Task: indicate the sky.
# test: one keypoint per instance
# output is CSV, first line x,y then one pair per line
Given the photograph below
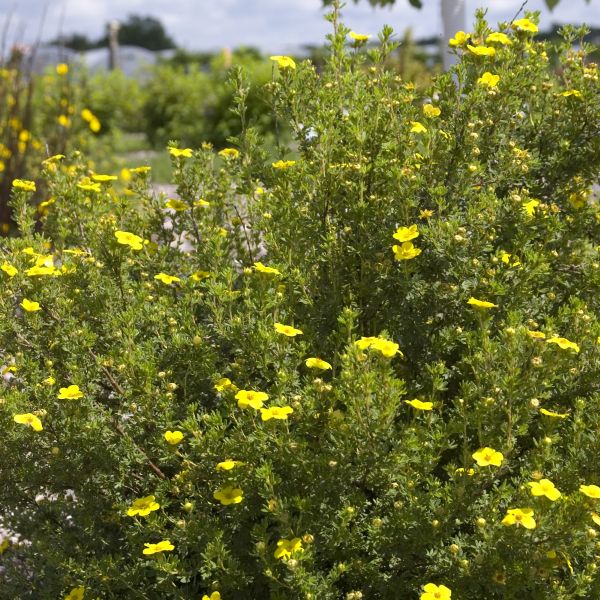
x,y
274,26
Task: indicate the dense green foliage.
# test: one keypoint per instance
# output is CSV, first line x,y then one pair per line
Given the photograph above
x,y
438,250
193,105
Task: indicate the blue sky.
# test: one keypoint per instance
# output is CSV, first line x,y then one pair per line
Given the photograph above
x,y
273,25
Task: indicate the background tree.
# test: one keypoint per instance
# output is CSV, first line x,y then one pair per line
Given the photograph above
x,y
146,32
76,41
143,31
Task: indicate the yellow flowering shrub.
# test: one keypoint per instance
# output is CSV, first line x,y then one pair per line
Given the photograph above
x,y
377,377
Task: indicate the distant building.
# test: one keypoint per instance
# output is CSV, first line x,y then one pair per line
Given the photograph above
x,y
132,60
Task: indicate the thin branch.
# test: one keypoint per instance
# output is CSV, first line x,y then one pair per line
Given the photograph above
x,y
519,11
118,428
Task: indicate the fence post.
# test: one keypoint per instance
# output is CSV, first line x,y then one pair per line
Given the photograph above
x,y
453,20
113,45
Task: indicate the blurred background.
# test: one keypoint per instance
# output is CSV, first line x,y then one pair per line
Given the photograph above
x,y
118,79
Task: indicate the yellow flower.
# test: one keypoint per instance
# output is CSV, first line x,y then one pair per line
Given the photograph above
x,y
95,125
43,206
49,381
431,591
64,121
387,348
536,335
141,170
554,415
429,110
39,271
164,546
28,419
359,37
405,234
166,279
228,464
62,69
173,437
481,303
258,266
425,214
563,343
529,207
509,259
30,305
44,260
596,518
175,204
284,62
591,491
283,164
405,251
177,153
9,269
419,405
520,516
500,38
135,242
229,495
460,39
200,275
317,363
251,398
462,471
285,548
78,592
213,596
488,79
87,114
223,384
229,153
578,200
142,507
525,25
417,127
103,178
287,330
488,456
575,93
276,412
482,50
544,487
70,393
24,184
53,159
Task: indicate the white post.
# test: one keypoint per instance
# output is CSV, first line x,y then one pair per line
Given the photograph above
x,y
453,19
113,45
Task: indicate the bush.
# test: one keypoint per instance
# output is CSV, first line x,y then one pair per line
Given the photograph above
x,y
371,372
193,105
42,115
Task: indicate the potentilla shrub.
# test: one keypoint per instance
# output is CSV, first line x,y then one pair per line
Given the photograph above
x,y
364,368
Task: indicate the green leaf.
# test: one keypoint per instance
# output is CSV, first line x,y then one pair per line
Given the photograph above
x,y
416,3
552,3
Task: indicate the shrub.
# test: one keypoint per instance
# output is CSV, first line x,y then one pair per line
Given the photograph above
x,y
367,378
41,114
193,105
